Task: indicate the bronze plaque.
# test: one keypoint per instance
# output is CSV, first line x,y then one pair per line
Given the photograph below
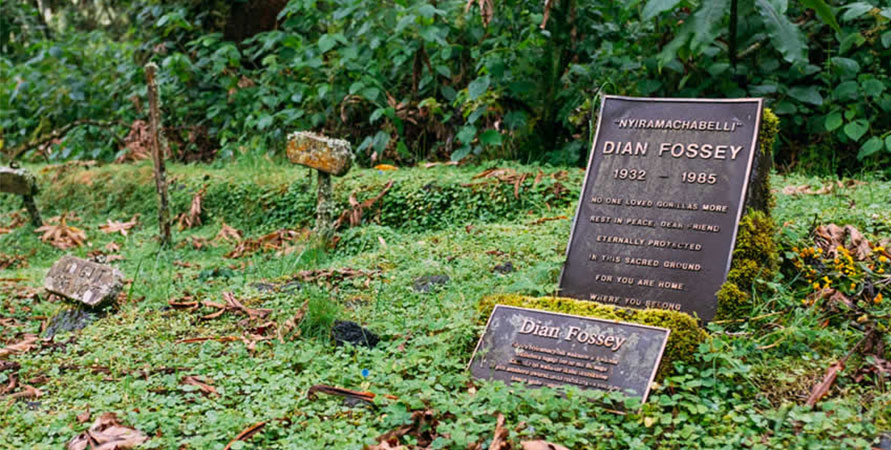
x,y
541,348
661,203
90,283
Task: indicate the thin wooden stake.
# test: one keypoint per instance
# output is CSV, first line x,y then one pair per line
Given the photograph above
x,y
158,153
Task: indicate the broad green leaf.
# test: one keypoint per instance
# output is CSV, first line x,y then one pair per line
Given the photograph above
x,y
460,153
869,147
855,10
845,90
326,42
848,67
872,87
477,87
785,35
708,21
655,7
428,11
888,143
886,39
856,129
824,12
833,121
806,94
490,137
467,134
356,87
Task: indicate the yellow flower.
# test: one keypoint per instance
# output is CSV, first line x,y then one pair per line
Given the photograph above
x,y
882,258
816,286
878,299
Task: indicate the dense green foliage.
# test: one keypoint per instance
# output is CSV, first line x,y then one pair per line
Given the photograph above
x,y
408,81
743,387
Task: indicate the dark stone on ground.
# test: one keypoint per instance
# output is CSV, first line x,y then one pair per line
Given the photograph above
x,y
347,331
263,287
290,287
506,267
884,441
71,319
426,283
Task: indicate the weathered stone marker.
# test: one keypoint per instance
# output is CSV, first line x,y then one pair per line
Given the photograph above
x,y
666,186
329,157
539,348
21,182
87,282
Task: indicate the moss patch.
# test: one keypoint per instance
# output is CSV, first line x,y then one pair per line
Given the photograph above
x,y
682,342
755,253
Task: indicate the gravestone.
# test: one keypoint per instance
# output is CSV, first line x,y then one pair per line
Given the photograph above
x,y
327,156
664,191
18,181
538,348
87,282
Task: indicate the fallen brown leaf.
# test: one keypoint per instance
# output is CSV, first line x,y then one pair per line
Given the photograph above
x,y
541,445
193,217
499,440
118,226
228,233
205,385
107,433
84,417
354,213
57,233
293,324
28,342
246,434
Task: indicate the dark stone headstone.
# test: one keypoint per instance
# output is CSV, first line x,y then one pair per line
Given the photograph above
x,y
346,331
426,283
504,268
661,203
539,348
87,282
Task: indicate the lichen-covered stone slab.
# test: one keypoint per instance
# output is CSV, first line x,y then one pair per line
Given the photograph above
x,y
333,156
90,283
16,181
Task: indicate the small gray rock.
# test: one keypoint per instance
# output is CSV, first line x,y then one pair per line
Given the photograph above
x,y
426,283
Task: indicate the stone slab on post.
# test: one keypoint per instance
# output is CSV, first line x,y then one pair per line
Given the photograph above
x,y
21,182
329,157
89,283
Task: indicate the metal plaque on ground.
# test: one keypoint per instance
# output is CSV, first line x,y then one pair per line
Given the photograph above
x,y
541,348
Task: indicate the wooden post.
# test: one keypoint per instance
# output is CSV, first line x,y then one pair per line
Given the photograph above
x,y
31,206
324,207
158,153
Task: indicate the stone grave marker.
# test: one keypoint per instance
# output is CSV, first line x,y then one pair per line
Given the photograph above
x,y
540,348
92,284
18,181
664,191
329,157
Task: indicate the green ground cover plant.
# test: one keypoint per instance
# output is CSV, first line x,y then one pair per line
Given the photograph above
x,y
745,386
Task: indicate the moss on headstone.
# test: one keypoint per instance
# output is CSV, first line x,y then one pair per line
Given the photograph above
x,y
755,255
683,340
